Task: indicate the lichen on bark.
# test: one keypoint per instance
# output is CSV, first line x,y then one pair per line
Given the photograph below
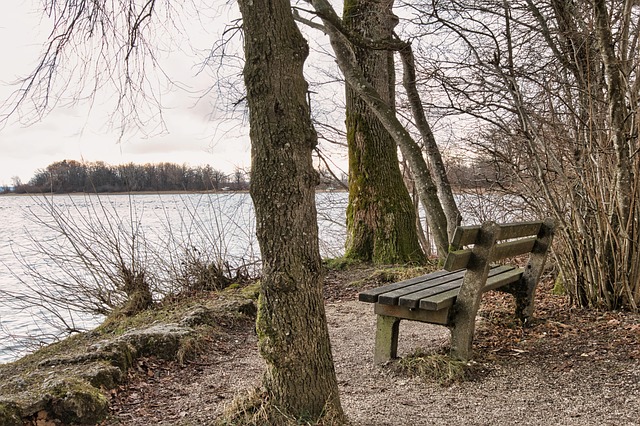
x,y
381,222
300,379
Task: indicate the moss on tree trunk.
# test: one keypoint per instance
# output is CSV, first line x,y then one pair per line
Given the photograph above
x,y
381,222
300,380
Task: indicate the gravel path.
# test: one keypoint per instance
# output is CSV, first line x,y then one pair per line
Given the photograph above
x,y
518,393
540,385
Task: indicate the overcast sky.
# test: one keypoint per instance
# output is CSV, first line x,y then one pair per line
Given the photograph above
x,y
194,134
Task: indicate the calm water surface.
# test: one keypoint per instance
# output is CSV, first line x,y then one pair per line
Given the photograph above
x,y
222,221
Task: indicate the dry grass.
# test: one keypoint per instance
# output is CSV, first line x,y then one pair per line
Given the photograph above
x,y
436,367
254,408
191,347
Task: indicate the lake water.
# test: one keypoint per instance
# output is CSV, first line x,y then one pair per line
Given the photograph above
x,y
35,253
33,250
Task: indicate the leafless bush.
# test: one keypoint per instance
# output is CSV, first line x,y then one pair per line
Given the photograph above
x,y
84,259
331,208
210,244
88,261
552,90
198,275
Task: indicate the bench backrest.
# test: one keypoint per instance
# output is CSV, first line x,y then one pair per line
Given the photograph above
x,y
511,239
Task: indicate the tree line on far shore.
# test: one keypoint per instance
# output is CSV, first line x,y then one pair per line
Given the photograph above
x,y
73,176
69,176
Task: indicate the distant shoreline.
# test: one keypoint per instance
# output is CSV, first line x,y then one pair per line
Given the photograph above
x,y
172,192
37,194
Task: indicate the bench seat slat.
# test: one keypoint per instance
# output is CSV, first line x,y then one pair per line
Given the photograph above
x,y
371,296
448,298
391,298
440,301
503,279
413,300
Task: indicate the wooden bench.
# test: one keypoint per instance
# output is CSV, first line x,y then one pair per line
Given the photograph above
x,y
451,297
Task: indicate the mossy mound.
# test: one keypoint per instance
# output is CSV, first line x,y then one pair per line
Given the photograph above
x,y
76,401
67,381
10,415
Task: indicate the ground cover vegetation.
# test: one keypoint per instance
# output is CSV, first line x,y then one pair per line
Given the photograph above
x,y
559,368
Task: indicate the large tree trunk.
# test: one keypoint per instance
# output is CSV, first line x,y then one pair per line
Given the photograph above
x,y
345,57
380,217
300,379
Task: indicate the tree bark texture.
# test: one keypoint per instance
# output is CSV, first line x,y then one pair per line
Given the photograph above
x,y
346,59
292,329
380,216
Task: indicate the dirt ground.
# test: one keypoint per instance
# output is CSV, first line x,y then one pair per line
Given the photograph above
x,y
571,367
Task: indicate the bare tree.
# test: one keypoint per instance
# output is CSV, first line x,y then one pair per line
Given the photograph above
x,y
343,42
556,85
380,217
291,319
299,382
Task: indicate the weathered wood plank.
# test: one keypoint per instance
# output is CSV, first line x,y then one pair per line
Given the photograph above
x,y
448,298
502,279
527,286
458,259
387,332
468,300
513,248
440,301
413,300
464,235
432,317
391,298
519,230
371,296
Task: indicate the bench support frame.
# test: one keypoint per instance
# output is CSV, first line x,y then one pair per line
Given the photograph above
x,y
463,315
388,326
459,312
524,291
387,331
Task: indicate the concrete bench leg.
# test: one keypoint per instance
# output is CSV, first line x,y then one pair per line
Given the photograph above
x,y
462,340
524,303
526,288
387,330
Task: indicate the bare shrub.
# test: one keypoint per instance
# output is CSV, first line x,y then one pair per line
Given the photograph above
x,y
83,259
553,93
210,244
